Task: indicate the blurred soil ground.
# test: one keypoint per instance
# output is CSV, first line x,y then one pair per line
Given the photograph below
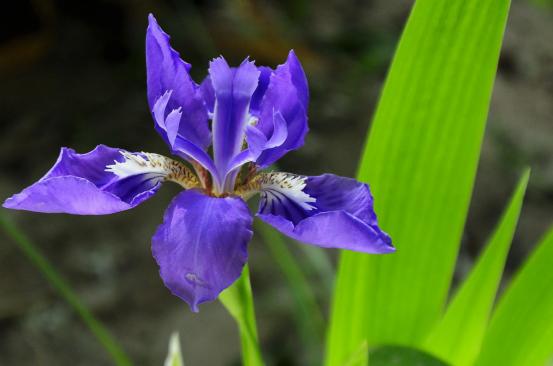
x,y
72,74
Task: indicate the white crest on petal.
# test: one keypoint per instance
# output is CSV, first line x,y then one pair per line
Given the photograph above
x,y
135,164
275,185
154,166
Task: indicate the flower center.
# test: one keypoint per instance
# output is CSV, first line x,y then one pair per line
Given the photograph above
x,y
273,186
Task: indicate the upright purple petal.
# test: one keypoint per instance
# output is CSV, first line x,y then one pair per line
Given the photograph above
x,y
264,78
327,210
258,143
201,246
207,93
298,77
79,184
287,93
179,145
166,71
233,90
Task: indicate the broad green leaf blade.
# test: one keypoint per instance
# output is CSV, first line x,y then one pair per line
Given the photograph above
x,y
238,300
521,329
458,336
420,160
174,356
307,312
38,260
360,357
402,356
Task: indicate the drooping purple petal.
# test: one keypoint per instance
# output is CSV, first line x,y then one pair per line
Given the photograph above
x,y
233,90
166,71
201,246
79,184
326,210
287,93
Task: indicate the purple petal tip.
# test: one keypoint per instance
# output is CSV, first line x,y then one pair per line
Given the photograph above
x,y
151,19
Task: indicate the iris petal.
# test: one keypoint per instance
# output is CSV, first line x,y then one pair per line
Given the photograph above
x,y
201,246
258,143
264,78
79,184
298,77
286,93
166,71
327,210
179,145
233,89
207,93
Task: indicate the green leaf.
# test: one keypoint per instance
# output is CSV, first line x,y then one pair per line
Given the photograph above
x,y
174,356
458,336
402,356
420,160
360,357
38,260
521,329
238,300
308,314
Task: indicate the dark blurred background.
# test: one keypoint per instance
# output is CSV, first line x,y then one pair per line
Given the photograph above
x,y
72,74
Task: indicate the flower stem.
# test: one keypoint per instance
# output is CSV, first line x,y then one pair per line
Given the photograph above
x,y
238,300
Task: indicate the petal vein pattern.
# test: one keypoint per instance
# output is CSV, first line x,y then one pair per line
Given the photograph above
x,y
276,187
233,90
155,167
338,213
79,184
201,246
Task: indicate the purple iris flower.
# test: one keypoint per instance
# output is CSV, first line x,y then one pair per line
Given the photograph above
x,y
250,117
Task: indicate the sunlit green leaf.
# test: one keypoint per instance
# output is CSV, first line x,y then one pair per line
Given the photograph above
x,y
402,356
521,329
420,160
360,357
458,336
